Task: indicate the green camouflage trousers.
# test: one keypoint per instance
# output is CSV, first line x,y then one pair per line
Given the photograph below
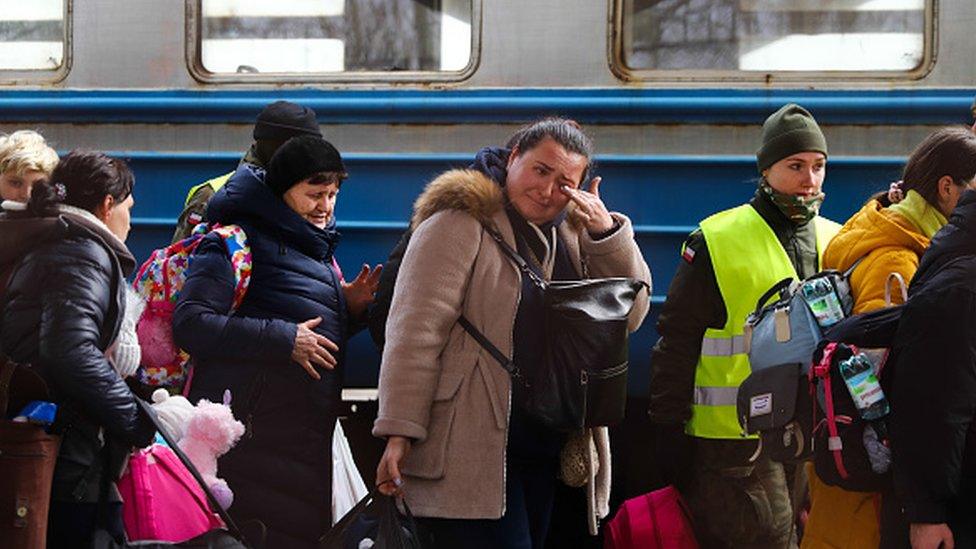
x,y
745,506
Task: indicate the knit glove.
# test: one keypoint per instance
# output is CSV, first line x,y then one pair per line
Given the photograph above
x,y
173,412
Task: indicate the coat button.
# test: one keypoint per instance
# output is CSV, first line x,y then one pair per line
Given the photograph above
x,y
22,511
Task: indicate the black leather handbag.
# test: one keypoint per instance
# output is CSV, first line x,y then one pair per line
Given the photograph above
x,y
582,380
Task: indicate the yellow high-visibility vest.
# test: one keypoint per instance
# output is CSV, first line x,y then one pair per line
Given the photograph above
x,y
748,259
215,184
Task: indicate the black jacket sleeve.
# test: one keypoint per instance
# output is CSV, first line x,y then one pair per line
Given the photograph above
x,y
934,399
379,309
693,305
203,325
68,293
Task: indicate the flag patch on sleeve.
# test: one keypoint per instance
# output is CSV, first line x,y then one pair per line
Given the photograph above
x,y
688,254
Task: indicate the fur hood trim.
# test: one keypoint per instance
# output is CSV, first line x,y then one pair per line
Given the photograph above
x,y
466,190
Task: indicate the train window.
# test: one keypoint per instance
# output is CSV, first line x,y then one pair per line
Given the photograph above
x,y
739,38
32,36
302,40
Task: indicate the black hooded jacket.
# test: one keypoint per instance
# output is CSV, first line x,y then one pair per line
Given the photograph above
x,y
934,380
61,310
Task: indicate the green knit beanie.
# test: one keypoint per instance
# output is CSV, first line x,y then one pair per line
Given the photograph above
x,y
787,131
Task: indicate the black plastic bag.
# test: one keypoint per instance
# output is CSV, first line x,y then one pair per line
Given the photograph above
x,y
375,517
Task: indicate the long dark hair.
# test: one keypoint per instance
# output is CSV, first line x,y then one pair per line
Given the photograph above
x,y
82,179
947,151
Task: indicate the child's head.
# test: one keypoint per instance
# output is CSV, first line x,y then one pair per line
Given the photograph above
x,y
25,159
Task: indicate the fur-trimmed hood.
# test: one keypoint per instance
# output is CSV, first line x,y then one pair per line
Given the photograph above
x,y
466,190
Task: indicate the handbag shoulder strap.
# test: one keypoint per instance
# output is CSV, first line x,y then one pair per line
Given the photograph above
x,y
515,257
506,363
855,265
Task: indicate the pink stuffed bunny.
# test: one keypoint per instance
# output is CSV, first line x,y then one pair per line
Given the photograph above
x,y
211,432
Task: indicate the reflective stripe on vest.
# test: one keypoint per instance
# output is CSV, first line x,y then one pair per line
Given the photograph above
x,y
723,346
748,259
215,184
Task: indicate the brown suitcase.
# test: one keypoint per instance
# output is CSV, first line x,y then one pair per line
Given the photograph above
x,y
27,458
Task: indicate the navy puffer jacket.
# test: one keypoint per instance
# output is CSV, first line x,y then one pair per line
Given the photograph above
x,y
280,471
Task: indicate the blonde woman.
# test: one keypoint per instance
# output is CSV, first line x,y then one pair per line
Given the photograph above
x,y
25,159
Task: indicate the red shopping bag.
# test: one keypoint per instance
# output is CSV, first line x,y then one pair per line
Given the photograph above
x,y
657,520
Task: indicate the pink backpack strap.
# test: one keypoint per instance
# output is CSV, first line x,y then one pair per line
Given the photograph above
x,y
338,270
822,370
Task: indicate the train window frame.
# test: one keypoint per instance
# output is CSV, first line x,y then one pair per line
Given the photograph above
x,y
47,76
615,50
194,62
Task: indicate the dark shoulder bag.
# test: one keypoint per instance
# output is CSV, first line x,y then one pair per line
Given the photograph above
x,y
582,380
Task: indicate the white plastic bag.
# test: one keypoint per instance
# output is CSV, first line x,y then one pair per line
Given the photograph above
x,y
347,484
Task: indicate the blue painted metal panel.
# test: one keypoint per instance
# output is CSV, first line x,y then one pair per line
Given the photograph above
x,y
596,105
665,196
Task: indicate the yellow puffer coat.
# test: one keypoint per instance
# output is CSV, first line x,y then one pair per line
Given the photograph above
x,y
889,243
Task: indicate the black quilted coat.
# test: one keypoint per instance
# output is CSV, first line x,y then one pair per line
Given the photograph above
x,y
61,310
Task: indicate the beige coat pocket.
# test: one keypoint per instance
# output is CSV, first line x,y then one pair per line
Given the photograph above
x,y
427,458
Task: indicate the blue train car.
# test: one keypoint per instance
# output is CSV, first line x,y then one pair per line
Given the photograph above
x,y
673,92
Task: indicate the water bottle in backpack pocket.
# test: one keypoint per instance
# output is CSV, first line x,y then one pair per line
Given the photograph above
x,y
850,438
790,328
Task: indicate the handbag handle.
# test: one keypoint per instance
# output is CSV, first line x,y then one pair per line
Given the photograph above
x,y
340,527
777,288
895,277
214,504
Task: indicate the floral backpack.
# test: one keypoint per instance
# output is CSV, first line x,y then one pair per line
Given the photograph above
x,y
159,282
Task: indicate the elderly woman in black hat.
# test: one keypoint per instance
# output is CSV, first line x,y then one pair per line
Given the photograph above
x,y
281,352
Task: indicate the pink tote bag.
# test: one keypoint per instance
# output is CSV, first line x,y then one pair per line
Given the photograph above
x,y
657,520
161,500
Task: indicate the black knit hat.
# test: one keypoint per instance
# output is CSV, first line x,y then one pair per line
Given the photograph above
x,y
787,131
282,120
300,158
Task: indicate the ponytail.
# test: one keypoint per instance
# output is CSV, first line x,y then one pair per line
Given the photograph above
x,y
82,179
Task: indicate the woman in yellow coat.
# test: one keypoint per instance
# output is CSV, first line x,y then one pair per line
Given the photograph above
x,y
888,238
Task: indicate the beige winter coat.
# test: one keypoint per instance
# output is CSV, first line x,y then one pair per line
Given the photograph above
x,y
437,385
